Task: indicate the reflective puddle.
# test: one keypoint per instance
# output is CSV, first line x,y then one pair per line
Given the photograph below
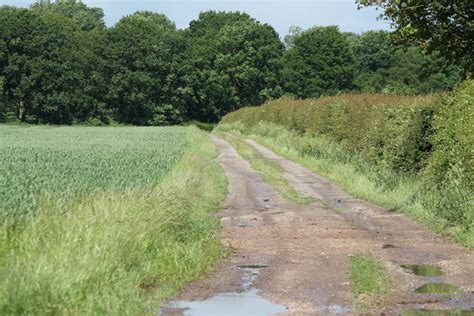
x,y
427,270
232,303
337,309
247,302
437,288
427,312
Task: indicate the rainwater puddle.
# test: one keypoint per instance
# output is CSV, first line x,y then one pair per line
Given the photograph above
x,y
426,270
427,312
337,309
437,288
232,303
247,302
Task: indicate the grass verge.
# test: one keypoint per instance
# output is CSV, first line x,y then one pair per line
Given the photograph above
x,y
116,252
368,276
271,172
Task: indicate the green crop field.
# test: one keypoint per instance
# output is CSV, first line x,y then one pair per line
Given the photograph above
x,y
35,161
106,220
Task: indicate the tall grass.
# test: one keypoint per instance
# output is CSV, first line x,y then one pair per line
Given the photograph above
x,y
413,154
116,251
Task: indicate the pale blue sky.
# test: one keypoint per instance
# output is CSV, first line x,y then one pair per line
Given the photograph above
x,y
281,14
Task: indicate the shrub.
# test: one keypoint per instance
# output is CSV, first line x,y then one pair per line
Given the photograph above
x,y
388,130
449,176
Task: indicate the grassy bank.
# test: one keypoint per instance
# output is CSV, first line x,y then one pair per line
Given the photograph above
x,y
116,250
412,154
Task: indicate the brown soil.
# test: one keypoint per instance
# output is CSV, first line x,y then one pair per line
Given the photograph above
x,y
306,247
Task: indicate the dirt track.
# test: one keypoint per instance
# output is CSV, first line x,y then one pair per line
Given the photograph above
x,y
306,247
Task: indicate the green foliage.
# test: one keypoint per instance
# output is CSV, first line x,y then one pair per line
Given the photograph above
x,y
387,130
51,69
441,25
86,18
293,32
142,49
450,171
368,276
232,61
319,62
117,251
17,31
382,66
208,127
60,65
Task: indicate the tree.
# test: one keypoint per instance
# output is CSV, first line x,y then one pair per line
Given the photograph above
x,y
76,67
293,32
143,47
86,18
50,73
18,30
234,61
380,65
319,63
440,25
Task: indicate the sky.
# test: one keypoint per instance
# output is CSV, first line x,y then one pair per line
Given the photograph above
x,y
281,14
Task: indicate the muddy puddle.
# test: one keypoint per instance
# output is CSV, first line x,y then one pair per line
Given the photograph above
x,y
232,303
432,273
426,270
437,288
427,312
246,302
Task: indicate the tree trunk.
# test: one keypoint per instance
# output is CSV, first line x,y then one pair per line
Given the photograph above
x,y
22,114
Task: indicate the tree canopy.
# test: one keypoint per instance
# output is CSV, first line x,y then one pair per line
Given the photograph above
x,y
319,62
142,49
86,18
233,61
440,25
59,64
382,66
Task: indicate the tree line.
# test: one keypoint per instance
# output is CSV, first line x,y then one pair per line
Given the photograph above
x,y
60,64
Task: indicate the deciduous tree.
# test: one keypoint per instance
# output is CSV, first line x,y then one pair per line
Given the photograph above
x,y
319,63
439,25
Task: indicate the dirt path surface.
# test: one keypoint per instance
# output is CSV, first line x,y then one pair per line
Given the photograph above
x,y
306,247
